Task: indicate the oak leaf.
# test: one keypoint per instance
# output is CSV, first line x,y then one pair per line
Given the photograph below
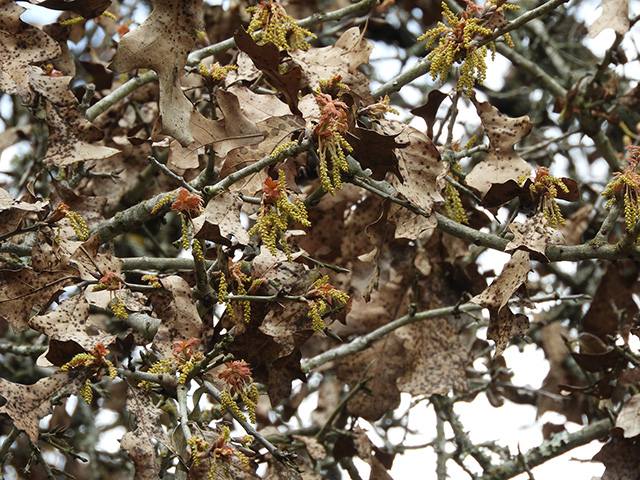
x,y
629,417
231,132
71,138
7,202
21,290
422,171
434,357
267,59
21,45
615,14
345,57
69,330
162,43
28,404
176,307
502,162
221,220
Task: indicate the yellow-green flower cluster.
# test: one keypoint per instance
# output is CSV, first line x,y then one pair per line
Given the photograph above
x,y
321,297
245,304
217,72
228,402
161,366
118,308
86,392
198,447
454,208
78,224
546,187
277,27
316,308
333,148
281,148
185,369
276,212
223,291
455,46
626,185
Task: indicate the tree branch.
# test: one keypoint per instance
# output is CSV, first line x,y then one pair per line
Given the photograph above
x,y
360,343
551,448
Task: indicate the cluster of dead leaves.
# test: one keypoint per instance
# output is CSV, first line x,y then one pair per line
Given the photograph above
x,y
393,261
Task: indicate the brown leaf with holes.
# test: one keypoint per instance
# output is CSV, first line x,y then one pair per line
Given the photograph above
x,y
503,325
429,110
375,151
69,330
436,358
371,454
20,46
270,342
533,235
162,43
502,162
148,424
613,305
277,130
143,453
72,138
382,363
27,404
21,290
231,132
220,221
176,307
421,170
615,14
505,285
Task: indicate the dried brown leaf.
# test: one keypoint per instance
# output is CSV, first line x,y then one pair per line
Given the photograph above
x,y
615,14
267,59
502,162
20,46
505,285
344,58
71,138
162,43
69,324
621,456
422,172
28,404
533,235
382,363
503,325
22,290
7,202
435,360
176,307
221,220
231,132
277,130
613,301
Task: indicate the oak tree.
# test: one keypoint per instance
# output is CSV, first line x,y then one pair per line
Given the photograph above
x,y
232,242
